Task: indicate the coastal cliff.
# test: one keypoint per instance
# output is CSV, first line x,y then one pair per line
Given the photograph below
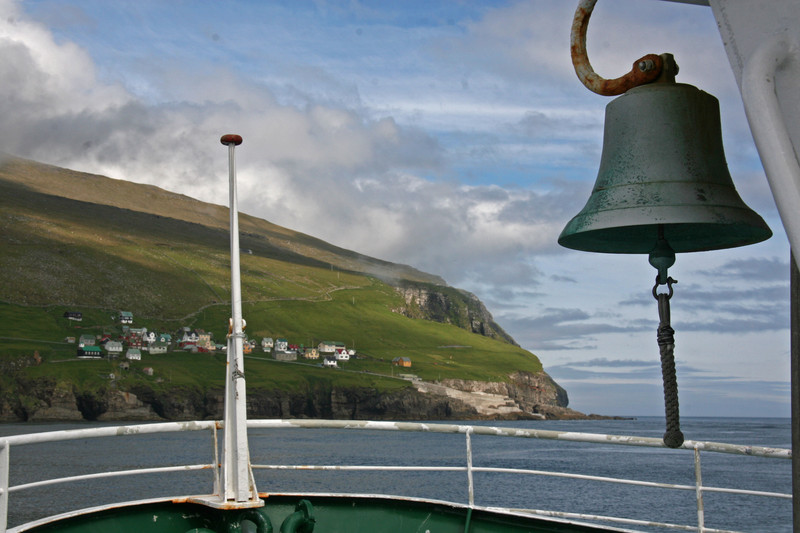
x,y
448,305
525,396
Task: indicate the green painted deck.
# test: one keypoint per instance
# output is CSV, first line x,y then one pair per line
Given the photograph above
x,y
331,514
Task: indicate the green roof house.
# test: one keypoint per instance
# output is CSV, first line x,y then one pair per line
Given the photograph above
x,y
90,352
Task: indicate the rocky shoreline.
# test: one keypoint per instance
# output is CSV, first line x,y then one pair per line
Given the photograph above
x,y
524,397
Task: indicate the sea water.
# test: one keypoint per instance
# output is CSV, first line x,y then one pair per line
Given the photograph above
x,y
366,447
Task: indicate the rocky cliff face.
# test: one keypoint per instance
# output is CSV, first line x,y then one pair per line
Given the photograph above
x,y
444,304
61,402
533,394
526,395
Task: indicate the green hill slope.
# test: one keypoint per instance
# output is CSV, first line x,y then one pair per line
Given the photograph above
x,y
82,242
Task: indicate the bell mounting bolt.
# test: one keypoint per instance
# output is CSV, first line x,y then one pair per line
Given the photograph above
x,y
231,138
645,69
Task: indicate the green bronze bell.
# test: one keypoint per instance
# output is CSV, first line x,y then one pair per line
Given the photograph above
x,y
663,185
663,175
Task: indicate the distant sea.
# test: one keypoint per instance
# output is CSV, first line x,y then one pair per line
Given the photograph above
x,y
308,446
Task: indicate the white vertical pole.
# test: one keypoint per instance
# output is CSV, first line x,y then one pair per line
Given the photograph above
x,y
238,483
471,487
794,369
3,486
698,480
217,465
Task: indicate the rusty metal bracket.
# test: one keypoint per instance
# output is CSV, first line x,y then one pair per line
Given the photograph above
x,y
645,69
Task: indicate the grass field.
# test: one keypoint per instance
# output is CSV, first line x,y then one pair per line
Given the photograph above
x,y
77,242
359,317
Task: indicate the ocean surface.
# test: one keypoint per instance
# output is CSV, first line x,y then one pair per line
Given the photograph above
x,y
365,447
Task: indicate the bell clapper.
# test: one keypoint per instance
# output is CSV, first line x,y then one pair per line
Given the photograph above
x,y
662,257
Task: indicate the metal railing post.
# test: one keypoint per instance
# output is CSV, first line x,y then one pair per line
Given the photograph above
x,y
698,481
217,465
469,469
4,485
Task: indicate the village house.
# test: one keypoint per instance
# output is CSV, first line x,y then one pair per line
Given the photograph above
x,y
282,351
148,370
205,341
311,353
267,343
288,355
89,352
330,362
342,355
196,337
401,361
281,345
158,347
330,347
74,315
125,317
133,354
133,340
86,340
113,347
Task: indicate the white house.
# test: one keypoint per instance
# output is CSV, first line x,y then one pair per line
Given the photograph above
x,y
267,343
342,355
190,337
134,354
281,345
86,340
330,362
330,346
114,347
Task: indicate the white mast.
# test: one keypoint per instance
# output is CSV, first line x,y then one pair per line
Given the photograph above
x,y
238,486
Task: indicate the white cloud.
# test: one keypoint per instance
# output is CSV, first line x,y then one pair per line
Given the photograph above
x,y
460,145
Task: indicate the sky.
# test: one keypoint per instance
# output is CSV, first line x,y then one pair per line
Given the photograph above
x,y
452,136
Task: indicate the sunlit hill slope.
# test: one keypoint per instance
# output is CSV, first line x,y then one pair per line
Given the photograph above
x,y
71,241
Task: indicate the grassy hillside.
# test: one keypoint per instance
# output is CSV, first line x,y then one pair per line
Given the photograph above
x,y
80,242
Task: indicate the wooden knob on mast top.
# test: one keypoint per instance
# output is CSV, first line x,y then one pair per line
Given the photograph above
x,y
231,138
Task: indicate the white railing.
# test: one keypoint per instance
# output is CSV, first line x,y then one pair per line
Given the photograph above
x,y
9,442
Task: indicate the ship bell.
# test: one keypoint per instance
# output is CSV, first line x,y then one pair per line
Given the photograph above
x,y
663,176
